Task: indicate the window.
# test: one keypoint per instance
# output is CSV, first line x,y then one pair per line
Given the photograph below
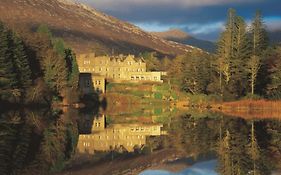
x,y
132,77
87,83
87,61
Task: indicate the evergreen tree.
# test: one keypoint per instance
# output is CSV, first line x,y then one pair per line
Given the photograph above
x,y
254,150
8,79
259,45
59,46
196,75
55,71
258,35
242,54
225,51
73,70
21,63
253,67
43,29
274,88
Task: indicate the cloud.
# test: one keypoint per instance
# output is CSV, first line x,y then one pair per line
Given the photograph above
x,y
201,18
273,23
205,28
117,5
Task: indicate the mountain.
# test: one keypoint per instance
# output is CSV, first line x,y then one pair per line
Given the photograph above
x,y
179,36
85,29
275,37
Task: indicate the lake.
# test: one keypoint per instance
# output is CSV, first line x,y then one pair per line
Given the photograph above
x,y
161,141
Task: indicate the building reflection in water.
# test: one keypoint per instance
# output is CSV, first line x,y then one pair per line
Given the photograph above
x,y
125,136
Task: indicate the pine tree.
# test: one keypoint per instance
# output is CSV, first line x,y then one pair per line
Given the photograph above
x,y
254,150
196,74
226,51
259,45
59,46
241,57
55,71
258,35
21,63
274,88
8,79
73,70
253,67
43,29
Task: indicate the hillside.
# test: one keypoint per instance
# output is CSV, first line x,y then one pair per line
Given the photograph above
x,y
83,28
184,38
275,37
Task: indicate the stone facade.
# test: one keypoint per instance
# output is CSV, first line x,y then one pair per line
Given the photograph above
x,y
118,69
88,83
126,136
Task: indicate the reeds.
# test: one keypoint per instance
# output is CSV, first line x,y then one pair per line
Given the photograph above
x,y
251,108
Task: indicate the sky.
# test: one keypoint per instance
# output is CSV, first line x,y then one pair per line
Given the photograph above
x,y
201,168
203,19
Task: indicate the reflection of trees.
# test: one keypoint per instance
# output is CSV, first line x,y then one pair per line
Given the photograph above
x,y
242,147
35,142
232,148
14,143
194,136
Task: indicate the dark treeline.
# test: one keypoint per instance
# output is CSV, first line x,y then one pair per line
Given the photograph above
x,y
244,65
36,142
36,68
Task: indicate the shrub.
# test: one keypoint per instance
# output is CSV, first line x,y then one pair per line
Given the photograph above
x,y
158,95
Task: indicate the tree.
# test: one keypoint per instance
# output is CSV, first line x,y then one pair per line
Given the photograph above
x,y
73,70
43,29
59,46
21,63
274,88
253,67
242,54
225,51
196,74
258,35
254,150
166,64
152,62
55,73
259,45
8,79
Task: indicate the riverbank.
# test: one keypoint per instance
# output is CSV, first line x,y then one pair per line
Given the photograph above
x,y
123,166
250,108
